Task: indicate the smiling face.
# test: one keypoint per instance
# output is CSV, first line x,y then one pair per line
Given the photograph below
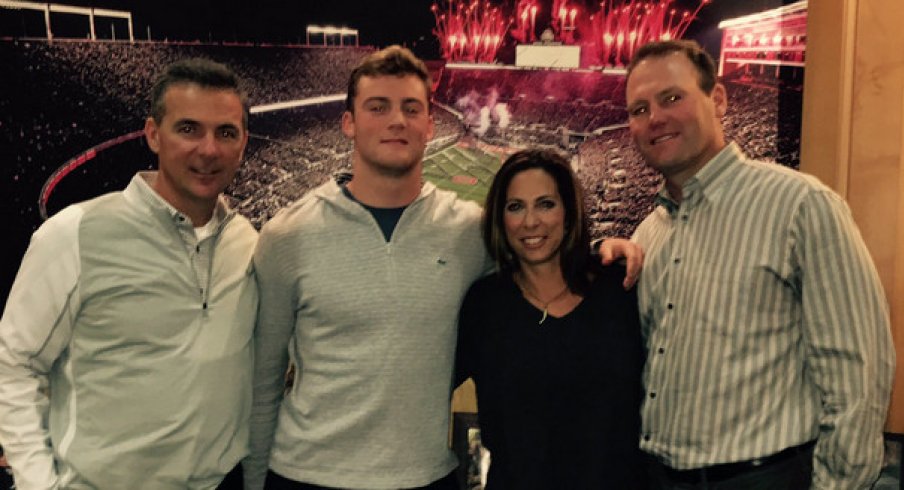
x,y
390,125
199,143
674,123
534,218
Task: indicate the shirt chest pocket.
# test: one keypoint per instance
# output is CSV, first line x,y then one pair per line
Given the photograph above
x,y
754,298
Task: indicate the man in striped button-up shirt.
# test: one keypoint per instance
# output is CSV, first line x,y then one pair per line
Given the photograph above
x,y
770,355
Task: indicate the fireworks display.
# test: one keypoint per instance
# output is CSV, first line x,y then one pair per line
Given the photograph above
x,y
470,31
609,31
563,24
525,21
620,27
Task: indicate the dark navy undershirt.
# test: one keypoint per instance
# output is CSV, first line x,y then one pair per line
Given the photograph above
x,y
387,218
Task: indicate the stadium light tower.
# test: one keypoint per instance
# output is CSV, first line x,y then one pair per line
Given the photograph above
x,y
47,8
330,31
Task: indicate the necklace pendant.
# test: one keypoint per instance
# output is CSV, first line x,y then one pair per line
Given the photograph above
x,y
543,319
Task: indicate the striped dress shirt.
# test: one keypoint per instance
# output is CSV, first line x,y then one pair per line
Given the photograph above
x,y
765,322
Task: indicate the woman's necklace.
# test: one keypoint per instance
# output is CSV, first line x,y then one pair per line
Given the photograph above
x,y
526,290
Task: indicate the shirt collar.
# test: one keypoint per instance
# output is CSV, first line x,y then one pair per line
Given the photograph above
x,y
141,188
332,191
705,184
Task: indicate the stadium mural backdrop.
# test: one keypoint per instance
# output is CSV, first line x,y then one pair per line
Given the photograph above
x,y
506,76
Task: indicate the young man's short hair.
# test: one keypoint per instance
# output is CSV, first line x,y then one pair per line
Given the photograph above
x,y
393,61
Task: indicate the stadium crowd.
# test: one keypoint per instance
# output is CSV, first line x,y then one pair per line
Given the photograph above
x,y
553,108
73,95
763,120
619,187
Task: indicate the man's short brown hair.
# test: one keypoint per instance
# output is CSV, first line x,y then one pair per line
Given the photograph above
x,y
701,60
199,71
393,61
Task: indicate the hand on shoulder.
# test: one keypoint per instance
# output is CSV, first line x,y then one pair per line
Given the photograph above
x,y
626,252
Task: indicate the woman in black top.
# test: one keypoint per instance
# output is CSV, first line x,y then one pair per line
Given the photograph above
x,y
552,340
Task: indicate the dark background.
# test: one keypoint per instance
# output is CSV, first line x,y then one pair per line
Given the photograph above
x,y
379,22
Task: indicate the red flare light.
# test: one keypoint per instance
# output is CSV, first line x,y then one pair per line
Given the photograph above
x,y
470,33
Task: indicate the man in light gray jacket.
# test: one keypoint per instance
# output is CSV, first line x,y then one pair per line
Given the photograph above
x,y
360,288
129,311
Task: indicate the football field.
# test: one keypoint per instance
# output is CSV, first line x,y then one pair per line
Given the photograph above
x,y
466,170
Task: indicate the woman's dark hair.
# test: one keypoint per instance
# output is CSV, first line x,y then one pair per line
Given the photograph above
x,y
574,252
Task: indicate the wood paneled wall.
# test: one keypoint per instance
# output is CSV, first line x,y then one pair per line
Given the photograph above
x,y
853,135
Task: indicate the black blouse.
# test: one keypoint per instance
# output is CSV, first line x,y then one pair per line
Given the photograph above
x,y
559,402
